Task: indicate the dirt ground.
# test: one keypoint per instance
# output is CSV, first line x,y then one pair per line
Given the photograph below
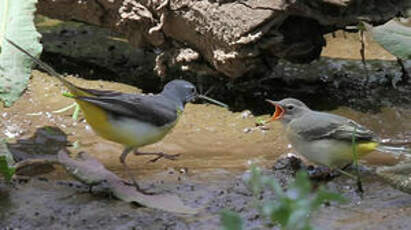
x,y
217,146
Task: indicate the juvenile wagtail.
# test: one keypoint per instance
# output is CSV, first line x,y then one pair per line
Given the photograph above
x,y
325,138
133,120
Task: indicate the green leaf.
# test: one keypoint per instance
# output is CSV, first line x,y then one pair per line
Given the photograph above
x,y
255,182
6,170
274,185
16,24
68,94
260,121
292,208
301,187
6,161
280,212
299,219
394,37
231,220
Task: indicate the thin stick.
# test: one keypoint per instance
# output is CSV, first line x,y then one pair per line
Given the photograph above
x,y
64,109
76,112
355,157
213,101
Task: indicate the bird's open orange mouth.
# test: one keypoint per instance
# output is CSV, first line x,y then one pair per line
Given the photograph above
x,y
279,111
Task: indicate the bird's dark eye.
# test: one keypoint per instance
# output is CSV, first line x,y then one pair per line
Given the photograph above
x,y
193,90
290,107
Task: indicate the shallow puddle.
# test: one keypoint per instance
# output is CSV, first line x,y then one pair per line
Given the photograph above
x,y
208,137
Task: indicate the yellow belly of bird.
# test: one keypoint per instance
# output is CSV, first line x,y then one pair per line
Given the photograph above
x,y
127,131
329,152
365,148
333,153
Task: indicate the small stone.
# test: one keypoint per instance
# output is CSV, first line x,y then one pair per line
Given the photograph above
x,y
183,170
247,130
246,114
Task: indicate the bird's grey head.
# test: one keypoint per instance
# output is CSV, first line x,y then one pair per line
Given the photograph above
x,y
288,109
181,91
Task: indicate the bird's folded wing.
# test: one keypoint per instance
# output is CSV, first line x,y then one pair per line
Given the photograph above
x,y
101,93
333,127
155,110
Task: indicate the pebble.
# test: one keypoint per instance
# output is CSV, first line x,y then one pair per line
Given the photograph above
x,y
246,114
247,130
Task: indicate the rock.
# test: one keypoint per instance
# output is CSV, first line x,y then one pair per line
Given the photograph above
x,y
233,37
398,176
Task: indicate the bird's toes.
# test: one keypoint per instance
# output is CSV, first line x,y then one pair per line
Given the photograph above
x,y
166,156
171,156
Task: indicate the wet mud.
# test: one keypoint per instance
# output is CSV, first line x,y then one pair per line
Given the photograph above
x,y
217,146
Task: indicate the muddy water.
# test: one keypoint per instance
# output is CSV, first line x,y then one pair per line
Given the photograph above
x,y
208,137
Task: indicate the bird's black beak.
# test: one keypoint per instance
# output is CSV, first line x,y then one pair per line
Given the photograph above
x,y
279,110
192,98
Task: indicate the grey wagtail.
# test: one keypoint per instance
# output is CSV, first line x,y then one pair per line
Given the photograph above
x,y
133,120
325,138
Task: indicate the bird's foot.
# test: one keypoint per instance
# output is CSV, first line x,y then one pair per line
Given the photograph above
x,y
166,156
159,156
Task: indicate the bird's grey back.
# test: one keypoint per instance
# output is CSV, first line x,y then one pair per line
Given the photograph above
x,y
154,109
319,125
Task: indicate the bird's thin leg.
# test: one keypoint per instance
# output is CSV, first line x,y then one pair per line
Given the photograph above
x,y
90,188
126,168
356,178
159,155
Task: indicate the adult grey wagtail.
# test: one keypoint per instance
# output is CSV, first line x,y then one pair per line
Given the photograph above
x,y
325,138
133,120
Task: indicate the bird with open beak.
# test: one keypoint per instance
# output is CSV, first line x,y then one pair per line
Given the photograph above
x,y
324,138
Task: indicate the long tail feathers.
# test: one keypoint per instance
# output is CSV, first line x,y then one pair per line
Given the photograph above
x,y
73,89
394,150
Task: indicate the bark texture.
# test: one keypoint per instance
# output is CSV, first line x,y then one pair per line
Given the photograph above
x,y
223,36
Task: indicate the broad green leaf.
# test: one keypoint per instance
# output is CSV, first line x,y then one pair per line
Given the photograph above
x,y
394,37
16,24
6,161
231,220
